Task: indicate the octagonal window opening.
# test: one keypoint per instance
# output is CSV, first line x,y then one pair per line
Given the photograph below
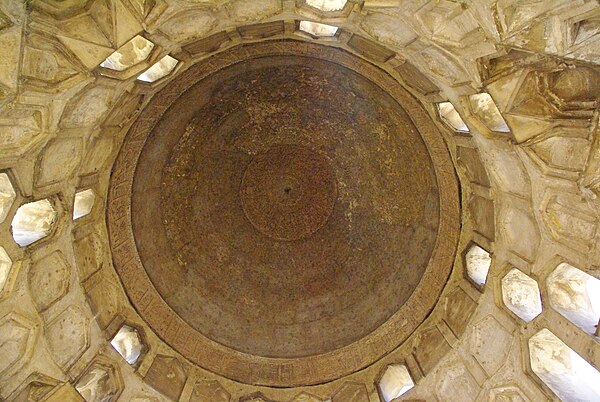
x,y
33,221
576,296
327,5
160,69
521,295
83,204
7,196
131,53
486,110
566,373
478,262
451,118
5,266
128,344
318,29
396,381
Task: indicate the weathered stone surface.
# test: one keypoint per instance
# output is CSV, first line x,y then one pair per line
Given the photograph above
x,y
68,336
351,392
251,10
167,375
429,349
103,298
49,279
388,30
85,110
520,232
89,255
188,24
17,337
490,344
21,127
305,397
458,307
538,61
60,158
456,383
209,390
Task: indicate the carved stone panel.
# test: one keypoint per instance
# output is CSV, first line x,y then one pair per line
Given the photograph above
x,y
167,376
17,336
571,221
49,279
519,231
490,344
429,349
68,336
88,254
209,391
305,397
103,299
59,160
458,308
456,383
351,392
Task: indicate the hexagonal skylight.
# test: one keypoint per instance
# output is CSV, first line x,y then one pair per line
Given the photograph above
x,y
127,343
33,221
575,295
83,204
487,112
566,373
327,5
395,381
160,69
128,55
450,116
521,295
478,263
317,29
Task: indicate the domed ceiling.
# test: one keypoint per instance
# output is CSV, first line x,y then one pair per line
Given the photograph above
x,y
286,206
299,200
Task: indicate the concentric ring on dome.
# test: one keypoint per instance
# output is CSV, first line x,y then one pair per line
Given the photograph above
x,y
288,192
163,301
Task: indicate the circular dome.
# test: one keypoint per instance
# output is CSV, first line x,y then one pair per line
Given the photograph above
x,y
284,214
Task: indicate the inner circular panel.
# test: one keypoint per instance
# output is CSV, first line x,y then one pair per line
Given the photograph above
x,y
285,206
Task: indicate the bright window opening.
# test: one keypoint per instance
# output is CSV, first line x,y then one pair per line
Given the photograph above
x,y
521,295
131,53
327,5
395,381
478,263
7,196
486,110
99,383
128,344
450,116
566,373
317,29
33,221
84,202
160,69
5,266
575,295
